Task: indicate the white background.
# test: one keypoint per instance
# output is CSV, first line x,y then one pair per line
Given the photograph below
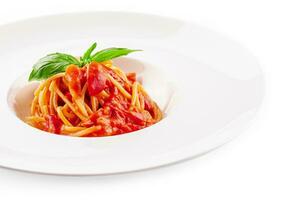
x,y
254,166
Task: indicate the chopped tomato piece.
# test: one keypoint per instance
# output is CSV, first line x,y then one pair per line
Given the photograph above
x,y
132,77
53,124
74,78
97,81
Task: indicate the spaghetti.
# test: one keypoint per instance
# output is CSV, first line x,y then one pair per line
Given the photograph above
x,y
98,99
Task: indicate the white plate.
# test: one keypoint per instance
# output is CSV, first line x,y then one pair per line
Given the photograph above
x,y
209,87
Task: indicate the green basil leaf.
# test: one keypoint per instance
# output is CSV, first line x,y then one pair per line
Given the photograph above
x,y
110,53
57,62
87,55
52,64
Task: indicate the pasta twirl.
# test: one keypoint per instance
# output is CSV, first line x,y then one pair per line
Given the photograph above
x,y
97,99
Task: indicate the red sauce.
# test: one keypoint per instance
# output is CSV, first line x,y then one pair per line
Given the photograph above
x,y
96,78
68,95
53,124
74,78
132,77
115,114
116,118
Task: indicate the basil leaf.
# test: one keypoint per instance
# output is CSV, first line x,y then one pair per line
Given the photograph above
x,y
87,55
57,62
52,64
110,53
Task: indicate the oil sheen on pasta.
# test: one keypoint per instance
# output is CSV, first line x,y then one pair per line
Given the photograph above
x,y
96,100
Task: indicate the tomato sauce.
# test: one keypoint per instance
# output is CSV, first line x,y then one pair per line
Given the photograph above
x,y
74,78
115,114
53,124
96,79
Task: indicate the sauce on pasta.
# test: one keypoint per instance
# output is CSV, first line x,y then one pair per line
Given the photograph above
x,y
98,99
